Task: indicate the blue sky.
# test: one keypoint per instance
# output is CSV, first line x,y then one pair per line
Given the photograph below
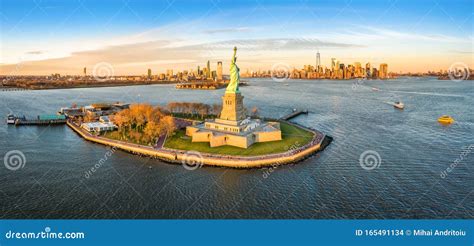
x,y
41,34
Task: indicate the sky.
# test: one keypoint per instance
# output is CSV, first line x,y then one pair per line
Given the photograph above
x,y
40,37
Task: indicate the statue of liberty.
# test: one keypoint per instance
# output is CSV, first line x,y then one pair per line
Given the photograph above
x,y
233,86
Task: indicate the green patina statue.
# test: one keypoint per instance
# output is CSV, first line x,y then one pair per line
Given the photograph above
x,y
233,86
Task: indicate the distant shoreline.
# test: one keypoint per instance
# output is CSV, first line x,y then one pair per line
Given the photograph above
x,y
83,85
96,84
52,86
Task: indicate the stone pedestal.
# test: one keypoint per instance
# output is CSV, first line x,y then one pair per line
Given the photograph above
x,y
233,107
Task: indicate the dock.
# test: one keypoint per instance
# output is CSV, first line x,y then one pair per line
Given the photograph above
x,y
205,85
20,122
41,120
200,86
294,114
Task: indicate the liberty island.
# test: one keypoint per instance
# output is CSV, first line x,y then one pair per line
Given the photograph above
x,y
231,140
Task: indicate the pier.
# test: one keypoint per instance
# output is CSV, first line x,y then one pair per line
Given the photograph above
x,y
200,86
12,89
294,114
205,85
19,122
41,120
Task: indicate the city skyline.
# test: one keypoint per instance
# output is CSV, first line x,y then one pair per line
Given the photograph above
x,y
133,37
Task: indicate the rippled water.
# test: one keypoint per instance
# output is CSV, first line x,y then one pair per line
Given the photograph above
x,y
413,148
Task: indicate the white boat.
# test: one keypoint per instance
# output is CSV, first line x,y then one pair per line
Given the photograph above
x,y
375,89
399,105
11,119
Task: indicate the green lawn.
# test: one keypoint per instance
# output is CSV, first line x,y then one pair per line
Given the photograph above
x,y
293,137
116,135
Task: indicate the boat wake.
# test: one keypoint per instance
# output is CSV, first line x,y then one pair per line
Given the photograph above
x,y
427,93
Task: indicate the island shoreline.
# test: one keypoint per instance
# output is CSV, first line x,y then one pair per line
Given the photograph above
x,y
175,156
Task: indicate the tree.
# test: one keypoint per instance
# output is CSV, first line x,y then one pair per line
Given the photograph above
x,y
123,120
254,112
135,136
216,109
203,109
151,132
89,118
167,125
155,114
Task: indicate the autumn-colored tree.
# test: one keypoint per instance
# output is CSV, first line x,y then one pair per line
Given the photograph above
x,y
168,125
123,119
254,111
88,118
151,132
135,136
156,114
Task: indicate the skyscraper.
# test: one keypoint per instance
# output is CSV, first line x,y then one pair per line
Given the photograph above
x,y
357,69
209,69
367,70
318,60
149,74
85,71
219,71
383,71
334,66
375,73
341,71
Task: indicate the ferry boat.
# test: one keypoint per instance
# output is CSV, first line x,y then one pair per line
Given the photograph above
x,y
375,89
399,105
11,119
445,119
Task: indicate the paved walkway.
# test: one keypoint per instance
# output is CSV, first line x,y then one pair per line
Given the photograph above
x,y
160,141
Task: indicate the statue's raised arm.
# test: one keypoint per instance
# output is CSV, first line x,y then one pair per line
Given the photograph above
x,y
233,57
233,86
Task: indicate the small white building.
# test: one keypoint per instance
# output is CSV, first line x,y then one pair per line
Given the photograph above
x,y
98,127
104,119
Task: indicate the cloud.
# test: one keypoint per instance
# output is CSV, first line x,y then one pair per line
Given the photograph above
x,y
228,30
462,52
36,52
382,33
279,44
135,57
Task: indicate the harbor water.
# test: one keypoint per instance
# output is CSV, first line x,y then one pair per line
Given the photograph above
x,y
383,162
